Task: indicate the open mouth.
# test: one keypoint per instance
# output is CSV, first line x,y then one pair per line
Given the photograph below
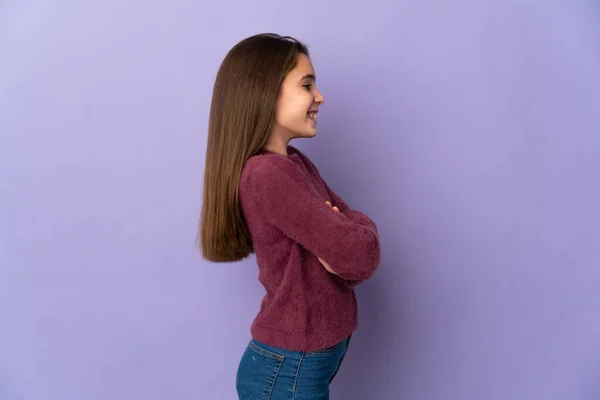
x,y
312,115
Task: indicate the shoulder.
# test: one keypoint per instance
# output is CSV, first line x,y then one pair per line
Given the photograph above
x,y
306,161
293,150
267,167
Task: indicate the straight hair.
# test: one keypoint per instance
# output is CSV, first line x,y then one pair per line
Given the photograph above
x,y
242,115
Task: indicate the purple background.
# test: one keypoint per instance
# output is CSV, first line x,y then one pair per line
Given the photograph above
x,y
468,130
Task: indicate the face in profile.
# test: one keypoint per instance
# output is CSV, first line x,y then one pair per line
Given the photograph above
x,y
298,103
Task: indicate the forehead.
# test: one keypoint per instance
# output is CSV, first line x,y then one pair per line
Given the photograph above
x,y
303,67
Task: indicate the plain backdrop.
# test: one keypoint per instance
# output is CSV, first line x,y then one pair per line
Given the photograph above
x,y
468,130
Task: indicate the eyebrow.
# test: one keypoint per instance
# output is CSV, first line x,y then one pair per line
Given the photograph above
x,y
309,76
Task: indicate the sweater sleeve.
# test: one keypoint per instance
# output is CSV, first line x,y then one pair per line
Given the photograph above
x,y
355,216
337,200
284,197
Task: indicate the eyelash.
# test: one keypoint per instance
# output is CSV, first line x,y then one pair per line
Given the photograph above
x,y
307,86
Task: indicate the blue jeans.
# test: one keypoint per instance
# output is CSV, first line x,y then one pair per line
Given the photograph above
x,y
269,373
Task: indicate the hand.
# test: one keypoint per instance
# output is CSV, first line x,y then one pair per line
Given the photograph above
x,y
325,265
334,208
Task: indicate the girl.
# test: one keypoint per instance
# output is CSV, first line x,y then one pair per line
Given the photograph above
x,y
263,196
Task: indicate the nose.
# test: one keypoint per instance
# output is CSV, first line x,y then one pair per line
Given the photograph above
x,y
319,99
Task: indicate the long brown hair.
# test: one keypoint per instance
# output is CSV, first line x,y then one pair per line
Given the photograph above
x,y
241,118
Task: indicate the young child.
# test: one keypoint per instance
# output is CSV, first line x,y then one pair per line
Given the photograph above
x,y
263,196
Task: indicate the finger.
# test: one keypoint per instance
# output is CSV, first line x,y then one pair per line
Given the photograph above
x,y
336,209
328,203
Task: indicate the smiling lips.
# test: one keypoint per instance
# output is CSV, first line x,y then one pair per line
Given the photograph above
x,y
312,115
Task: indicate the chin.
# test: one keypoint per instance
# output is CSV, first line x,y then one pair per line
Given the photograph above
x,y
312,131
305,135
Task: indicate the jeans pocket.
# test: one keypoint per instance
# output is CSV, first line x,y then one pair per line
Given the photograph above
x,y
256,347
257,373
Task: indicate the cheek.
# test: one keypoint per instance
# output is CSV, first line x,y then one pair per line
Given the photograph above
x,y
292,108
282,112
292,112
304,104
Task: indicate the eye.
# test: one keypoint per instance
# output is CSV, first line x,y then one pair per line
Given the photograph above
x,y
308,86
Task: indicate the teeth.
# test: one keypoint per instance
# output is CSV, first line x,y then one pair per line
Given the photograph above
x,y
312,115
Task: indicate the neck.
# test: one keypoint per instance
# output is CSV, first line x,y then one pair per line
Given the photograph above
x,y
277,145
